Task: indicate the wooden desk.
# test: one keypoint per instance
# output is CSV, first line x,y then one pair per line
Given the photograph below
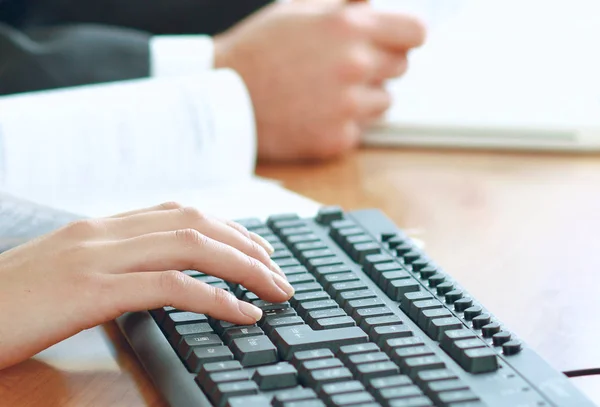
x,y
520,231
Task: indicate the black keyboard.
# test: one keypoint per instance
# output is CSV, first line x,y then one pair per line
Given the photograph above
x,y
373,322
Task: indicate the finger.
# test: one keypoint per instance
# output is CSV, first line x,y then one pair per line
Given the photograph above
x,y
387,65
184,218
370,102
143,291
189,250
161,207
396,31
251,235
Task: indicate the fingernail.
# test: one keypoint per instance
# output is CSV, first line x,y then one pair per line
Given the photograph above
x,y
283,285
250,310
263,242
277,269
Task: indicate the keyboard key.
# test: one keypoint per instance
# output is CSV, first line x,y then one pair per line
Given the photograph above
x,y
300,357
281,254
351,399
304,308
453,296
472,312
397,288
336,289
372,322
181,318
447,398
345,352
368,371
380,334
270,325
327,270
418,307
428,315
277,376
300,247
326,313
201,355
224,391
191,341
302,337
362,314
481,320
213,379
217,367
479,360
512,347
314,264
254,351
307,287
257,400
330,279
451,336
221,326
287,262
294,395
501,338
436,280
439,325
306,238
347,296
305,403
305,369
427,272
301,278
402,392
388,276
270,306
361,250
328,214
189,329
318,378
444,288
310,296
412,366
433,388
313,254
249,297
240,332
489,330
398,343
391,381
329,390
463,304
370,357
276,314
290,271
331,323
352,306
421,401
427,376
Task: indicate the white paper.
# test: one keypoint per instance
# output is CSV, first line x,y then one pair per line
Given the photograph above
x,y
510,63
111,138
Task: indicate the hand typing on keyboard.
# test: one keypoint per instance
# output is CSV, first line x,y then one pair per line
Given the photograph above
x,y
92,271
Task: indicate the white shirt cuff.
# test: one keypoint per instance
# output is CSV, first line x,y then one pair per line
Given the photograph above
x,y
175,55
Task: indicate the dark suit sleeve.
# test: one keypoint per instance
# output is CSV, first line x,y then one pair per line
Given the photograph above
x,y
153,16
54,57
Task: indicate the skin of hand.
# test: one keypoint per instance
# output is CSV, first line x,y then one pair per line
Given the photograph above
x,y
92,271
315,72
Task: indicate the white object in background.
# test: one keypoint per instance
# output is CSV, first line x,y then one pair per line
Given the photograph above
x,y
149,133
514,74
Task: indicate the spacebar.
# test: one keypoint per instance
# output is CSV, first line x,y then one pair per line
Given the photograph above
x,y
292,339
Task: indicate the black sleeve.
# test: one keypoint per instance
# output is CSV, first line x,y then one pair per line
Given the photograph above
x,y
154,16
62,56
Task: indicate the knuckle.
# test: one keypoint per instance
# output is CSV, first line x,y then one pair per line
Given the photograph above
x,y
344,21
238,227
86,228
351,106
259,252
191,237
355,67
173,282
220,298
192,214
170,205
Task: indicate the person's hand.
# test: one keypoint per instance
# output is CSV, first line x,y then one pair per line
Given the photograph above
x,y
315,72
92,271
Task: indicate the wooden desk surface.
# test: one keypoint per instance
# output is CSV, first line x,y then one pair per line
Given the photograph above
x,y
519,231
